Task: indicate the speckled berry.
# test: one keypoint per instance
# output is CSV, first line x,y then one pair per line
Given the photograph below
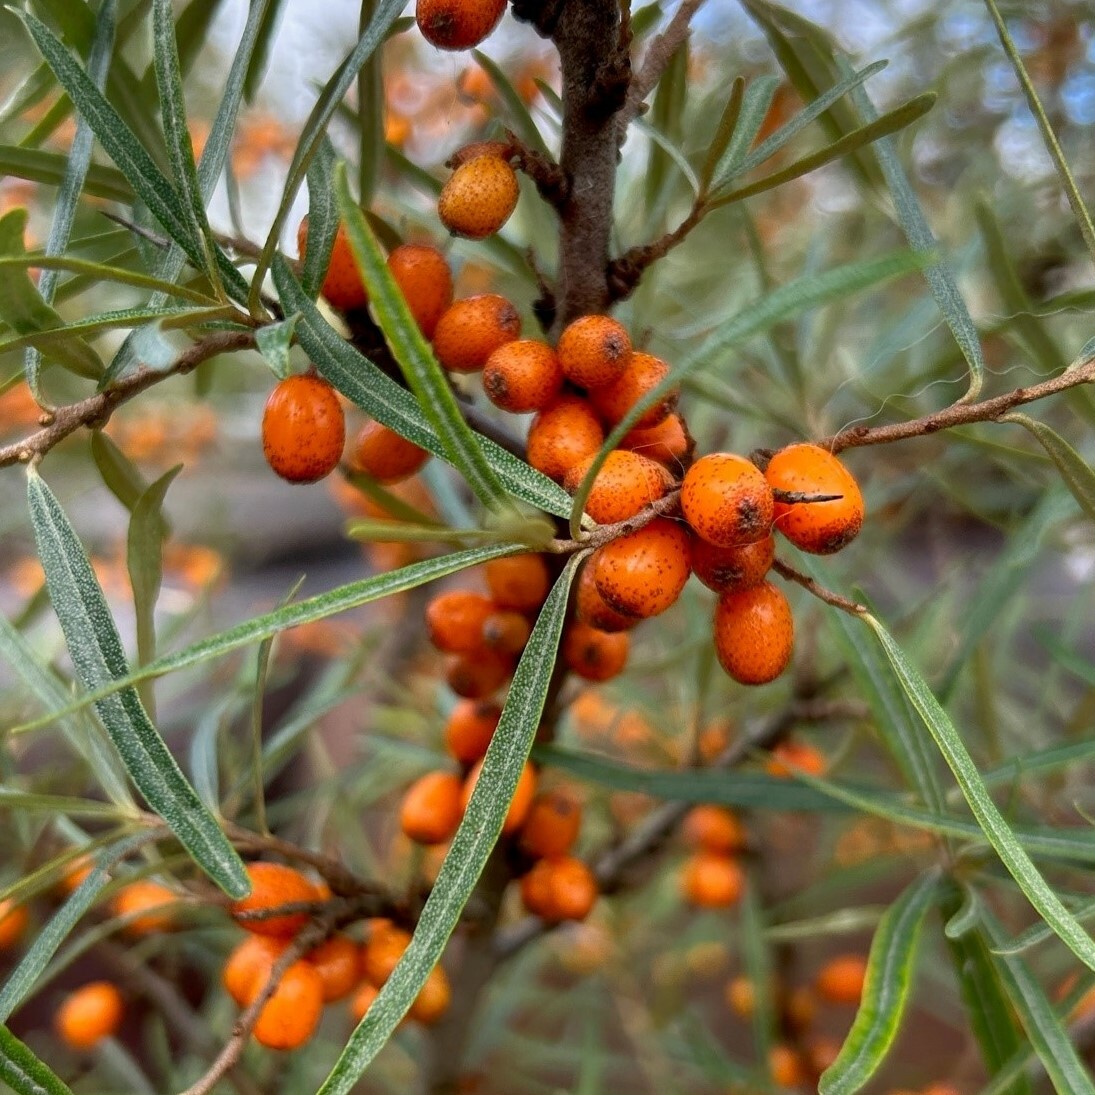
x,y
342,285
425,280
522,376
457,24
591,608
595,655
594,351
642,374
726,500
472,329
303,429
669,442
386,455
563,434
625,484
738,567
478,198
754,633
643,573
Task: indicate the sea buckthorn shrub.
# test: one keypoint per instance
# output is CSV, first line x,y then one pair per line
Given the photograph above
x,y
607,606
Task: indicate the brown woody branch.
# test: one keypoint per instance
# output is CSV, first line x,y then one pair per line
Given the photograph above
x,y
626,271
95,411
818,590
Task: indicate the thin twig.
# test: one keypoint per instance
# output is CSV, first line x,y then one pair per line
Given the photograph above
x,y
818,590
96,410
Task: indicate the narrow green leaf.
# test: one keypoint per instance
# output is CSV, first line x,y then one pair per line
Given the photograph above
x,y
322,218
383,399
98,272
813,110
64,209
120,474
1047,1034
371,109
888,123
22,307
728,120
49,939
1078,476
890,969
274,342
423,374
119,141
996,829
519,117
315,128
757,957
472,844
97,654
1045,127
666,119
21,1070
50,168
303,612
267,29
756,103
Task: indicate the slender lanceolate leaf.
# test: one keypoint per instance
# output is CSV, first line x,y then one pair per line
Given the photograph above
x,y
274,342
890,969
472,844
757,956
1077,474
23,1072
302,612
315,129
1045,1030
97,654
728,121
383,399
64,210
131,157
46,943
96,272
50,169
754,107
423,374
322,218
997,831
267,28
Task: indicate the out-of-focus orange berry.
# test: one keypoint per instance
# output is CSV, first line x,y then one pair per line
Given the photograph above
x,y
741,996
303,429
272,886
789,755
727,500
643,573
469,729
383,951
506,631
714,829
248,967
362,1000
754,633
518,582
433,998
338,963
595,655
840,980
479,673
786,1066
431,808
711,880
425,280
13,923
454,620
148,903
552,825
818,527
560,888
386,455
290,1017
594,351
472,329
90,1014
342,284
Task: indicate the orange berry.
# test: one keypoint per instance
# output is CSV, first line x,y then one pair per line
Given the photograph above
x,y
800,1007
362,1000
433,998
817,527
552,825
840,980
711,880
478,198
643,372
519,805
289,1018
518,582
425,280
479,674
642,574
506,632
383,951
342,284
713,829
147,902
668,442
560,888
754,633
13,923
786,1066
303,429
625,484
563,434
591,608
727,500
385,455
338,963
248,966
457,24
469,729
737,567
820,1053
431,809
454,620
472,329
741,997
75,873
940,1089
594,351
522,376
274,885
789,755
88,1015
595,655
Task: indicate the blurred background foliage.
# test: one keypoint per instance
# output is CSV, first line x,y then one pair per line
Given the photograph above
x,y
972,551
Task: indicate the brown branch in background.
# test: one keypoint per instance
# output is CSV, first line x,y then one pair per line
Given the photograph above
x,y
960,414
626,271
95,411
818,590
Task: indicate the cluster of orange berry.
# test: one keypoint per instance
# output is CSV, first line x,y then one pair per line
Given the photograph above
x,y
483,633
335,969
